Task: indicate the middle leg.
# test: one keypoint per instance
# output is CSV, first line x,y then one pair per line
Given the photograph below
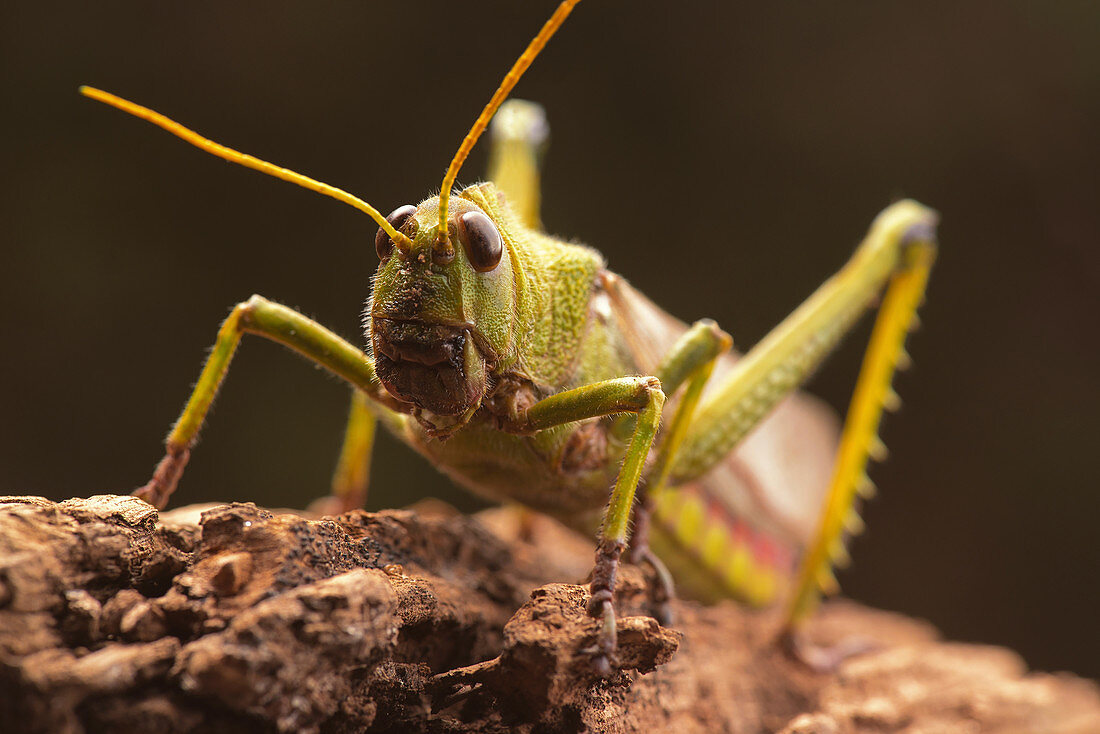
x,y
691,360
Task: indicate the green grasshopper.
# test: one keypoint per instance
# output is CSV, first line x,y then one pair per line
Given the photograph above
x,y
525,370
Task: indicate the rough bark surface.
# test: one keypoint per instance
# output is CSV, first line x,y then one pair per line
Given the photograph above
x,y
234,618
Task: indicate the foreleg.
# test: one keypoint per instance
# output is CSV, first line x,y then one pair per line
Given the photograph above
x,y
259,316
640,395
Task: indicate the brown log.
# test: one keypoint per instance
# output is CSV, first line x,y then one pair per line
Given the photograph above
x,y
235,618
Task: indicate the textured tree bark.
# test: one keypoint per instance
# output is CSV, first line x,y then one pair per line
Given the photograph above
x,y
240,619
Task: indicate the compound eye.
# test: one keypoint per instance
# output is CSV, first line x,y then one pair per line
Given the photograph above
x,y
481,240
398,218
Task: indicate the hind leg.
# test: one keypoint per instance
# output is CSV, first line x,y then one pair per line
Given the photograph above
x,y
896,257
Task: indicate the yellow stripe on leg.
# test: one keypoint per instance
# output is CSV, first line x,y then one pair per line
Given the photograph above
x,y
352,476
859,441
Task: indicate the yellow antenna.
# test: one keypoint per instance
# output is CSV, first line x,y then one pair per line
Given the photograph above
x,y
498,98
245,160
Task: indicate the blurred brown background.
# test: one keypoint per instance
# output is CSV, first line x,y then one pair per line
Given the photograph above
x,y
787,124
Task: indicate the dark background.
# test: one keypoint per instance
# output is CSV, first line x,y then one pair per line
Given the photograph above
x,y
726,157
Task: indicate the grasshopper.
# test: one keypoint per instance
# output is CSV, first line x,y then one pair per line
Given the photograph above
x,y
524,369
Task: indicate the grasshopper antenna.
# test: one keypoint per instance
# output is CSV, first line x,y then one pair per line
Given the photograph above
x,y
245,160
442,244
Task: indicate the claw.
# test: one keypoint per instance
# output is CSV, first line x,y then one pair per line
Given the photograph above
x,y
663,589
823,658
165,478
327,505
603,652
600,602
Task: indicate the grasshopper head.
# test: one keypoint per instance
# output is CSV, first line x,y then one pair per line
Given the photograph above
x,y
440,316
